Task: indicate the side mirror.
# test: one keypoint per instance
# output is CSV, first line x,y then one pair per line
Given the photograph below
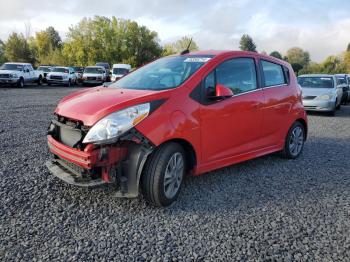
x,y
110,72
27,70
221,92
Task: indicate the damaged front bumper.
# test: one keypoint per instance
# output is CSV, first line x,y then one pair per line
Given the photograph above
x,y
120,163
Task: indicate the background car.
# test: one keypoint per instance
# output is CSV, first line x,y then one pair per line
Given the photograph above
x,y
62,75
94,75
79,70
19,74
107,68
343,82
321,92
45,69
119,70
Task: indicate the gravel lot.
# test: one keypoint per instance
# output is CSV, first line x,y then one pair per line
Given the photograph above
x,y
264,209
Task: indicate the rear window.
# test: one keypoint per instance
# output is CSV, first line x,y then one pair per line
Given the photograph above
x,y
273,74
315,82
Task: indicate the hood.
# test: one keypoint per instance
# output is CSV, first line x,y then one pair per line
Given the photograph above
x,y
58,73
90,105
317,91
10,72
92,74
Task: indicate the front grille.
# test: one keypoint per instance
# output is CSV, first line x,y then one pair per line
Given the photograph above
x,y
56,77
4,75
309,97
69,133
91,78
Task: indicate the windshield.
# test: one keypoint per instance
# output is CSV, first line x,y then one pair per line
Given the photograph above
x,y
60,70
316,82
341,80
93,70
44,69
14,67
162,74
120,71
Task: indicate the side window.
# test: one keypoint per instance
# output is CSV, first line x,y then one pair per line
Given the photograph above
x,y
238,74
273,74
286,74
30,68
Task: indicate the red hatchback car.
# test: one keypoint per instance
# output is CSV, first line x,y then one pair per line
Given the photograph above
x,y
183,114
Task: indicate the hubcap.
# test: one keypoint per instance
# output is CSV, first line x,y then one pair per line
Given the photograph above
x,y
173,175
296,141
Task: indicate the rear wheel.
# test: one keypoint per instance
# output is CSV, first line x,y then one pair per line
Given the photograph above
x,y
40,81
163,174
294,141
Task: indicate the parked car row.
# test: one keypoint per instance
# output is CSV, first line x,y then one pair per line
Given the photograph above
x,y
324,92
20,74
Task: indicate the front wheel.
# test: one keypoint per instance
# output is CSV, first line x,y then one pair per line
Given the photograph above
x,y
20,83
39,81
163,174
294,143
69,83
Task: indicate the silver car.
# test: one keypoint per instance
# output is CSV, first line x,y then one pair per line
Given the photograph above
x,y
344,81
321,92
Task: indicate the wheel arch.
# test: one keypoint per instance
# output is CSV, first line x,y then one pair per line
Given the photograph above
x,y
190,152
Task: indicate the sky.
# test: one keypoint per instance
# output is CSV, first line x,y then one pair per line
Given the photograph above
x,y
318,26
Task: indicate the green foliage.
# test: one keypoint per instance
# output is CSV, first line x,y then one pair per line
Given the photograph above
x,y
298,58
333,65
18,49
2,52
247,44
179,46
276,54
110,40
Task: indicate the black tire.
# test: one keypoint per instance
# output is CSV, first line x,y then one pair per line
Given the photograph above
x,y
338,107
69,83
49,84
332,113
20,83
153,175
39,81
287,152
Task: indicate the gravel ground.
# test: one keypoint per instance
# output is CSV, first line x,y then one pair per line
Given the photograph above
x,y
264,209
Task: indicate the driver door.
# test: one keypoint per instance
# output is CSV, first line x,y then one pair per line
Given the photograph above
x,y
232,126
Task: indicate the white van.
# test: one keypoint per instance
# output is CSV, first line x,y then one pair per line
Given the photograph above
x,y
119,70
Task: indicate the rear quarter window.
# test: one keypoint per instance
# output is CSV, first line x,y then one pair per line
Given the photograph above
x,y
274,74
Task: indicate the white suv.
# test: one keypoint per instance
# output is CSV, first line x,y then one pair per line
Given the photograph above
x,y
19,74
61,76
94,75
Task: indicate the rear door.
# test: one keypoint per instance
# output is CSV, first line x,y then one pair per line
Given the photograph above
x,y
231,126
278,101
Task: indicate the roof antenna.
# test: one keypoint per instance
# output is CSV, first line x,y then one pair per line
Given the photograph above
x,y
187,50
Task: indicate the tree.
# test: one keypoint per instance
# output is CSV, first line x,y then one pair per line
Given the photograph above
x,y
54,37
298,58
276,54
333,65
247,44
110,40
179,46
17,49
312,68
2,52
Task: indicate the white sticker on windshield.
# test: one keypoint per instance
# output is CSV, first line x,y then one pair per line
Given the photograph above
x,y
197,59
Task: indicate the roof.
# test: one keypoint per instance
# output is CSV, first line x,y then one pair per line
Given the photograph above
x,y
316,75
235,52
18,63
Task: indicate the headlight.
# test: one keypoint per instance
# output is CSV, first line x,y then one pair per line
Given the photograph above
x,y
14,75
117,123
65,76
325,97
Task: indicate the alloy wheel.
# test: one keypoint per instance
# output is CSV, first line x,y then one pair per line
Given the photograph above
x,y
173,175
296,141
